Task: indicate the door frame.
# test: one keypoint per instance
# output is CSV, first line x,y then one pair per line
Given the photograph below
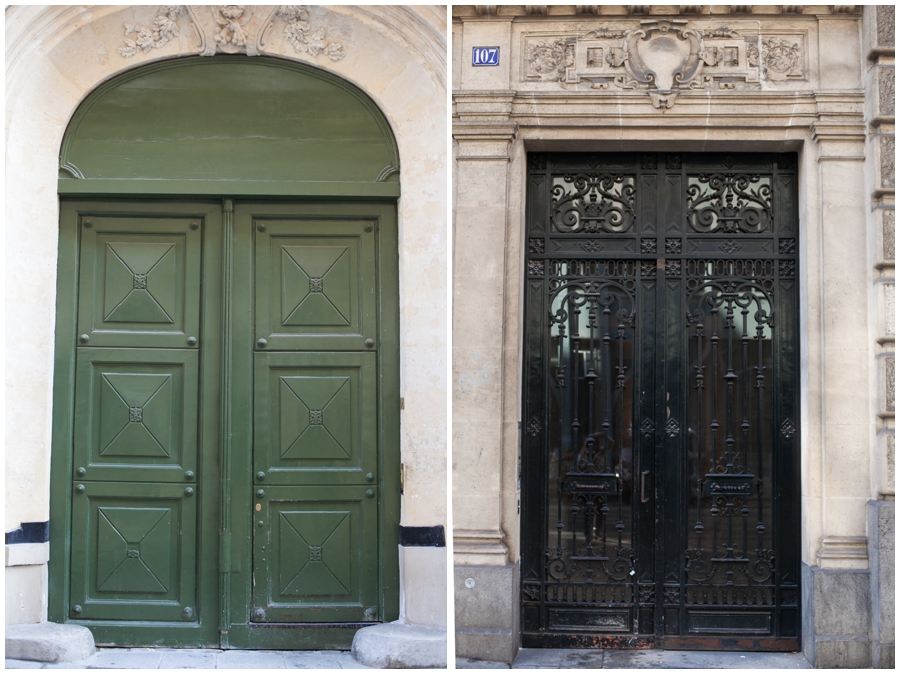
x,y
223,247
658,639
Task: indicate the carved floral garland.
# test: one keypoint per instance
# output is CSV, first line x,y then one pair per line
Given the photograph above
x,y
164,29
231,33
302,38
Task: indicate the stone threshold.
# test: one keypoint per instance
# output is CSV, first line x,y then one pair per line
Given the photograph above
x,y
200,658
558,658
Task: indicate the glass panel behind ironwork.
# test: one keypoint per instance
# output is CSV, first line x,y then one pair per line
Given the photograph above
x,y
730,558
590,557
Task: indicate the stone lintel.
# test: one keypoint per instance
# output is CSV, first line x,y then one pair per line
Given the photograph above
x,y
469,12
493,104
472,132
844,552
838,116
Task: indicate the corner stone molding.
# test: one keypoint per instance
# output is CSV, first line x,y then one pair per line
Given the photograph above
x,y
664,57
232,29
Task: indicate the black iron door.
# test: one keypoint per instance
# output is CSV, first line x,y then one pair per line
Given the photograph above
x,y
660,498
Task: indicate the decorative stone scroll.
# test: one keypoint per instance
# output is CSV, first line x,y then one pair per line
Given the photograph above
x,y
664,57
232,29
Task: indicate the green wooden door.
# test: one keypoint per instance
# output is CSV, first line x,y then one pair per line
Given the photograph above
x,y
315,445
140,463
234,458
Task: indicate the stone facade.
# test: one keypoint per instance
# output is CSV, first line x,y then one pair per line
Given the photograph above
x,y
815,80
56,55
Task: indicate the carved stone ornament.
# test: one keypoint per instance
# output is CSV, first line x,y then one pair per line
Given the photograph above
x,y
232,29
164,29
664,57
782,58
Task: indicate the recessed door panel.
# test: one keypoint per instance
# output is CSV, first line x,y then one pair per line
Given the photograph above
x,y
316,283
140,281
316,417
660,449
315,553
134,552
138,412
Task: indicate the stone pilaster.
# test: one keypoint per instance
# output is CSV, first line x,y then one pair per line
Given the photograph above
x,y
485,583
844,401
482,166
880,77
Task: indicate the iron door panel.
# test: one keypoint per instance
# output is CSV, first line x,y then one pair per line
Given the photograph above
x,y
139,280
316,283
134,552
705,248
136,412
316,554
315,419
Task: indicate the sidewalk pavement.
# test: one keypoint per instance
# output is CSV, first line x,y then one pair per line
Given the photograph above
x,y
200,658
557,658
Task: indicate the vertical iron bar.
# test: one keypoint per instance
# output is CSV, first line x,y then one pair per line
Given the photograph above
x,y
698,527
745,423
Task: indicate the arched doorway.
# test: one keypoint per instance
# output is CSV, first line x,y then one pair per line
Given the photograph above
x,y
226,409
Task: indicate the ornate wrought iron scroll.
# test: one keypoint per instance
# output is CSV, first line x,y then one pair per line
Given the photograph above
x,y
729,202
730,317
589,557
660,421
593,203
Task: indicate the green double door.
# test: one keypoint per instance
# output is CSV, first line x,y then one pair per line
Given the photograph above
x,y
230,434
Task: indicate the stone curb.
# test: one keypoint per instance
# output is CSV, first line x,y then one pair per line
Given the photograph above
x,y
49,642
399,646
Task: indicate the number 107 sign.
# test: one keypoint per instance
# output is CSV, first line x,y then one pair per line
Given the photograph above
x,y
485,56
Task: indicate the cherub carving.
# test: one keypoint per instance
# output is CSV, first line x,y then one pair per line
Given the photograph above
x,y
231,19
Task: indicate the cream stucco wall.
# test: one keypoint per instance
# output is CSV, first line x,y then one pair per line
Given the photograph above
x,y
57,55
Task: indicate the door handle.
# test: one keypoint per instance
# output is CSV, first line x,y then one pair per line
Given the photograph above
x,y
644,474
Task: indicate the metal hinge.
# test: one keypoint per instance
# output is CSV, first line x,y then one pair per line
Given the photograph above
x,y
402,477
401,403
